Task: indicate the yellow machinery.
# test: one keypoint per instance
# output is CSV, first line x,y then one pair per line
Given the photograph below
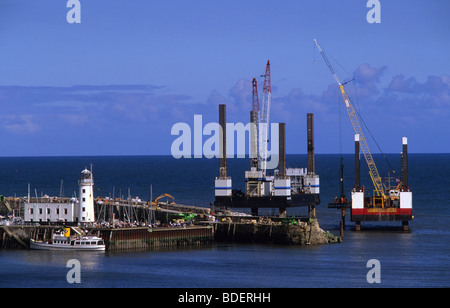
x,y
155,202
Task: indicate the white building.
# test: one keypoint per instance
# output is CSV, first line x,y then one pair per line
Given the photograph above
x,y
50,212
81,211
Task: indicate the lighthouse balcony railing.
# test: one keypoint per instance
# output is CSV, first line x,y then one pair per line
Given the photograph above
x,y
86,181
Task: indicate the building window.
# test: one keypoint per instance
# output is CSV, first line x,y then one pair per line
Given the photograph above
x,y
57,211
65,211
31,212
84,209
84,191
40,211
84,199
48,211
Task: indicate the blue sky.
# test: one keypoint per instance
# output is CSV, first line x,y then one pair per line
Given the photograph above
x,y
116,83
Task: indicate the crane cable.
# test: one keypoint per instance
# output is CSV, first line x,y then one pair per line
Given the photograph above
x,y
371,135
359,115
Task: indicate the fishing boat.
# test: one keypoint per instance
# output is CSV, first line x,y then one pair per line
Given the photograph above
x,y
63,241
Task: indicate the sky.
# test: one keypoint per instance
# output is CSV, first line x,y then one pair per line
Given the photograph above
x,y
116,83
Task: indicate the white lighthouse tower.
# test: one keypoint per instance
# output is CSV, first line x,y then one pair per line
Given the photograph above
x,y
86,209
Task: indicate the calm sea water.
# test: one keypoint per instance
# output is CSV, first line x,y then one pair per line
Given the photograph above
x,y
419,258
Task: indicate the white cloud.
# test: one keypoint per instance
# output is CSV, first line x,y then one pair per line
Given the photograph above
x,y
20,124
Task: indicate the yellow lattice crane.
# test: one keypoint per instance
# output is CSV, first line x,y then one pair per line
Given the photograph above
x,y
379,191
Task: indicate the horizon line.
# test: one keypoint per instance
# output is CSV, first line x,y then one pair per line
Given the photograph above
x,y
203,157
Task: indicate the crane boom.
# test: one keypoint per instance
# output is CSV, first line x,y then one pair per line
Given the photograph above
x,y
373,171
254,127
263,121
255,95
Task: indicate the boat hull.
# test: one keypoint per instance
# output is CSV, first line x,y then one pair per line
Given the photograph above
x,y
46,246
390,214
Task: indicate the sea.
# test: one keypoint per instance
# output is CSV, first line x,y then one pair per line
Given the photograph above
x,y
418,258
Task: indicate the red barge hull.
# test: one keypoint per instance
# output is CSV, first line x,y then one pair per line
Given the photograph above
x,y
379,214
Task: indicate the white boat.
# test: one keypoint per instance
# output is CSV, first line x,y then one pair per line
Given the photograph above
x,y
62,242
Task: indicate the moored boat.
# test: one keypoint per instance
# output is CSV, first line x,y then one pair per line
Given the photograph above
x,y
63,241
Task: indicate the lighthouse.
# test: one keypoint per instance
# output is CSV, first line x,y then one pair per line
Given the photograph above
x,y
86,209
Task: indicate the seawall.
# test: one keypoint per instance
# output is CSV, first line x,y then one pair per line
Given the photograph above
x,y
146,238
18,237
303,233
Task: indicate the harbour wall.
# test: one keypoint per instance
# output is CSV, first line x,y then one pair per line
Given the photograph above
x,y
147,238
14,237
18,237
303,233
306,233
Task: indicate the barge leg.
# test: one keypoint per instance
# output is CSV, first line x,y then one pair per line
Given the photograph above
x,y
223,141
255,211
405,226
343,222
312,212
